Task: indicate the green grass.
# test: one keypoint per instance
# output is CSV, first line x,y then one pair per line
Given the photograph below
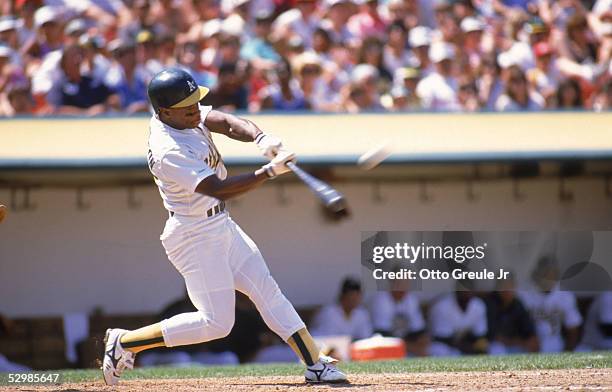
x,y
420,365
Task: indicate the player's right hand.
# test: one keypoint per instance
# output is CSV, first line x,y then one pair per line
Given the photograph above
x,y
278,165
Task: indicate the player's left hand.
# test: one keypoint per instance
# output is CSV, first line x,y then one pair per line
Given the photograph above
x,y
269,145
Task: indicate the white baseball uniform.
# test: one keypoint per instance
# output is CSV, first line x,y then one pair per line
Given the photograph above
x,y
599,313
550,312
210,251
331,320
448,320
399,318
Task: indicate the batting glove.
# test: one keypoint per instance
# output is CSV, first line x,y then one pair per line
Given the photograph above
x,y
278,165
268,145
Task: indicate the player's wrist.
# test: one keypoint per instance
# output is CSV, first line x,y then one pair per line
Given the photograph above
x,y
260,135
264,172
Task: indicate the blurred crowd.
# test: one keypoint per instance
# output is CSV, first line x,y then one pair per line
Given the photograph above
x,y
88,57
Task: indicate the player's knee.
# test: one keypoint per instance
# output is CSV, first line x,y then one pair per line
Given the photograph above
x,y
221,324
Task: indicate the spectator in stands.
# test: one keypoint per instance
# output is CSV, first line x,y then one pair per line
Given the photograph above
x,y
569,95
201,35
489,83
205,11
556,315
336,19
169,16
510,327
126,79
578,50
398,313
10,27
284,93
189,58
259,49
49,32
545,76
347,316
598,325
363,90
517,96
419,39
77,93
458,323
230,94
17,100
146,53
300,21
473,30
396,54
368,22
371,52
438,90
467,96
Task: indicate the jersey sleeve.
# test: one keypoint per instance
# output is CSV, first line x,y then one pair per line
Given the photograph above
x,y
183,167
204,110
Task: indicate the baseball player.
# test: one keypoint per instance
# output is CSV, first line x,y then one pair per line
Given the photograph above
x,y
210,251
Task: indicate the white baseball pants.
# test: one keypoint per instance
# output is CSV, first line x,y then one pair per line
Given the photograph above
x,y
215,257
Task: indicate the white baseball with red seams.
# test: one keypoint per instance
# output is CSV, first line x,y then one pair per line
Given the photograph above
x,y
213,254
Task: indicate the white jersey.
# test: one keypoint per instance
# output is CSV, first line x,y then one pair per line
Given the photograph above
x,y
179,160
600,312
447,319
550,312
331,320
399,318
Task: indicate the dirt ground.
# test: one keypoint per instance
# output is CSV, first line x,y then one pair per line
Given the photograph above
x,y
537,380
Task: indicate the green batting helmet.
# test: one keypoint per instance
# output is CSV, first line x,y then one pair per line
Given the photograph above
x,y
174,88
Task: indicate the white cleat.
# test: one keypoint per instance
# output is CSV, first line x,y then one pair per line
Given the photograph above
x,y
116,359
324,372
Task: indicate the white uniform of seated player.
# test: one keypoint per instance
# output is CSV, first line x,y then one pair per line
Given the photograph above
x,y
552,309
398,313
598,325
346,317
451,324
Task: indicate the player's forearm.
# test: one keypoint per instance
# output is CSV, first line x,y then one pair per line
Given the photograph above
x,y
231,186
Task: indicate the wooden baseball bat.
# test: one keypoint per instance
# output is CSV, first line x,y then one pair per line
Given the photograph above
x,y
333,200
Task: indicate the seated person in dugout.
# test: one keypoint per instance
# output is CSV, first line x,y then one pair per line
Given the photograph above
x,y
598,325
345,317
555,312
511,328
398,313
458,323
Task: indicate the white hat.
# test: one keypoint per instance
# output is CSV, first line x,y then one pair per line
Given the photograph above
x,y
233,25
45,14
9,23
470,24
211,28
441,51
362,72
419,36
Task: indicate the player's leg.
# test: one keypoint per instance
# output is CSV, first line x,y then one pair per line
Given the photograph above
x,y
252,277
202,260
